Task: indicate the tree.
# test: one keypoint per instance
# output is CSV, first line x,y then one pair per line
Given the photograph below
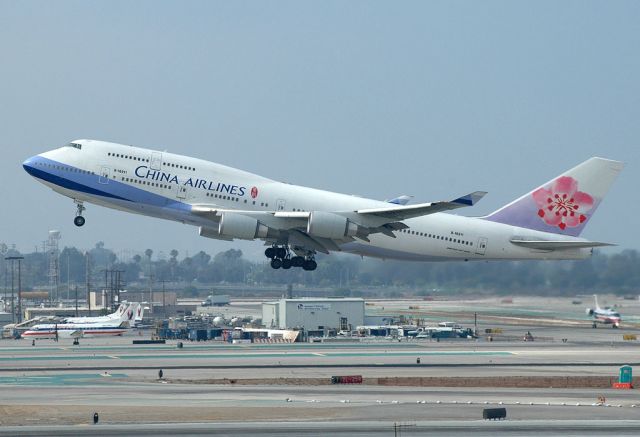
x,y
72,261
101,257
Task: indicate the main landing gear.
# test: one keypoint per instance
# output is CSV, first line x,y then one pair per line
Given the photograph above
x,y
79,220
281,257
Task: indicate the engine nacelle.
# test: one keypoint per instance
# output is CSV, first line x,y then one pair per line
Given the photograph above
x,y
328,225
589,312
212,233
241,226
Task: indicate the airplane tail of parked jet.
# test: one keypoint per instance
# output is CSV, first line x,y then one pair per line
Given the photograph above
x,y
565,204
595,297
138,315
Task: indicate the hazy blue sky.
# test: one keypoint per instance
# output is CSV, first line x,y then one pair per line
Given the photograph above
x,y
432,99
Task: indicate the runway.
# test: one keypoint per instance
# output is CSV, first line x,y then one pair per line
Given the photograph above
x,y
572,428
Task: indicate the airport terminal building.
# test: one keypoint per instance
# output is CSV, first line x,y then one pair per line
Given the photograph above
x,y
314,315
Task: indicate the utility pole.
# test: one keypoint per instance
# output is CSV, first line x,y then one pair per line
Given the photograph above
x,y
87,276
19,291
164,311
68,277
6,282
13,307
76,301
119,284
111,289
105,294
150,293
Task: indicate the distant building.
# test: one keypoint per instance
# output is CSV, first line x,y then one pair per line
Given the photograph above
x,y
315,316
99,299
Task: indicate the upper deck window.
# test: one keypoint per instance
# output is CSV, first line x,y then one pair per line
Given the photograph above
x,y
75,145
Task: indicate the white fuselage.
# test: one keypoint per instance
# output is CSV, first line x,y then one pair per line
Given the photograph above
x,y
168,186
51,330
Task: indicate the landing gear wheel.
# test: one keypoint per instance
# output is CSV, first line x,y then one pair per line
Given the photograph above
x,y
297,261
309,265
276,263
286,263
615,326
270,252
594,325
78,221
281,252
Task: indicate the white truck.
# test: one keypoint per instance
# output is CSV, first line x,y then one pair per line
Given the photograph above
x,y
216,300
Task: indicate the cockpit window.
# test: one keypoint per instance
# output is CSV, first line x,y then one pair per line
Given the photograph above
x,y
75,145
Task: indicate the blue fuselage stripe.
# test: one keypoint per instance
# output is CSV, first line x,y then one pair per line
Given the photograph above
x,y
68,183
75,179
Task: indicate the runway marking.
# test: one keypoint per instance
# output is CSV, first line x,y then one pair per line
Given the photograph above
x,y
251,355
61,379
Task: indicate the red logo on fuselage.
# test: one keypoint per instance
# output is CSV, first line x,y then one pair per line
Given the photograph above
x,y
254,192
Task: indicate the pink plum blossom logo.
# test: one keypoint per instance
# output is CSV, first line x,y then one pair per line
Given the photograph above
x,y
561,204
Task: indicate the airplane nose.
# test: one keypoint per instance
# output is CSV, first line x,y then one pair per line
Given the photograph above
x,y
29,165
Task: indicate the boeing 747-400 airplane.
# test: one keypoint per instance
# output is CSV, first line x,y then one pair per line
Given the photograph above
x,y
296,222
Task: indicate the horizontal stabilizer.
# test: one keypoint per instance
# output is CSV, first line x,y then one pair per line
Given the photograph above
x,y
558,245
403,212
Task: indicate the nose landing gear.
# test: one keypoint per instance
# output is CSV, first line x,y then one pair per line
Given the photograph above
x,y
79,220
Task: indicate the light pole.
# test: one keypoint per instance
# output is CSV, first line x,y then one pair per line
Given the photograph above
x,y
13,308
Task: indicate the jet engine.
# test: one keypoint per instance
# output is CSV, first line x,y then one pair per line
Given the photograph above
x,y
241,226
589,312
328,225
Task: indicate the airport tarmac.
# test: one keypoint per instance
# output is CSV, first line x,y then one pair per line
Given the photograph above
x,y
61,384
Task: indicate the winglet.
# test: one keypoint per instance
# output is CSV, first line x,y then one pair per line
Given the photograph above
x,y
471,198
400,200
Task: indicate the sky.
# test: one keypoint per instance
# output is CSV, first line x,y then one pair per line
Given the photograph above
x,y
379,99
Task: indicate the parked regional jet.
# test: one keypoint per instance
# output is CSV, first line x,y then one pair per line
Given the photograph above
x,y
605,315
113,326
296,222
125,311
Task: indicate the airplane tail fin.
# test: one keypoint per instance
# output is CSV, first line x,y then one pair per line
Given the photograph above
x,y
119,311
128,313
139,314
595,296
565,204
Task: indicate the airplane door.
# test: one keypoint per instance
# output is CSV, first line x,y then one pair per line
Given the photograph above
x,y
281,203
182,192
482,246
105,174
156,161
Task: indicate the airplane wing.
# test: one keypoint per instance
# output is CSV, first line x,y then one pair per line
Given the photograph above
x,y
403,212
557,245
293,226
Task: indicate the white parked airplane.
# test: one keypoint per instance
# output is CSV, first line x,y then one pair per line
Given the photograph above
x,y
297,222
605,315
75,329
125,311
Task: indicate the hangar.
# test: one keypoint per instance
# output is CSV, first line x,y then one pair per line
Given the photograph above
x,y
314,315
